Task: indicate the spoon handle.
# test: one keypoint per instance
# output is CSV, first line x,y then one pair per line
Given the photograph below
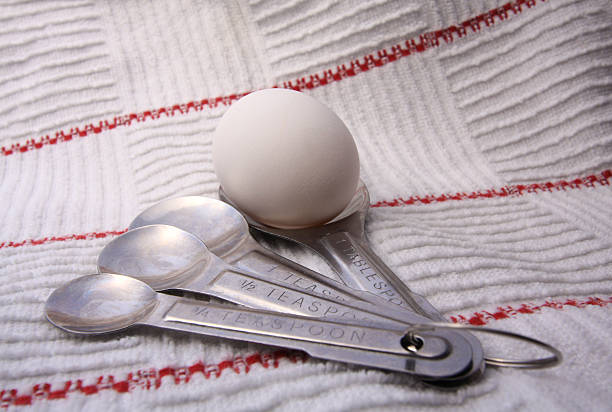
x,y
359,343
259,292
360,268
253,257
256,291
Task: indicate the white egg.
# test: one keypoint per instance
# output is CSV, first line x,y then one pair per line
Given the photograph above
x,y
286,159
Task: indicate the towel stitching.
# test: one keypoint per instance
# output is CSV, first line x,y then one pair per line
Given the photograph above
x,y
148,379
484,317
379,58
74,236
152,378
591,181
602,179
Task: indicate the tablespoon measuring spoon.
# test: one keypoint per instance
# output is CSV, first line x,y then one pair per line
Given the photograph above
x,y
103,303
226,233
343,244
166,257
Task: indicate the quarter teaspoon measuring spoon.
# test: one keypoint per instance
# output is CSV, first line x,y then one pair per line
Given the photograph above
x,y
103,303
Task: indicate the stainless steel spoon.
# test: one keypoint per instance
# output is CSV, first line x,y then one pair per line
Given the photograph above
x,y
166,257
226,233
342,243
104,303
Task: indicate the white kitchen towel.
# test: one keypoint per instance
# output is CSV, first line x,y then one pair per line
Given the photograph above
x,y
485,136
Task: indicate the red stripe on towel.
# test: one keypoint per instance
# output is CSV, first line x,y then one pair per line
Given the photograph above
x,y
591,181
599,179
484,317
147,379
379,58
153,378
42,241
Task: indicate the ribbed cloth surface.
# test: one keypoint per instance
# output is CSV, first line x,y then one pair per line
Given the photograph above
x,y
487,159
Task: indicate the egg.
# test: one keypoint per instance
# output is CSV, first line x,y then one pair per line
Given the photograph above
x,y
285,159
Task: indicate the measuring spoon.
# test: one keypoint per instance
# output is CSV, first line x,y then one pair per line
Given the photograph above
x,y
166,257
343,244
104,303
226,233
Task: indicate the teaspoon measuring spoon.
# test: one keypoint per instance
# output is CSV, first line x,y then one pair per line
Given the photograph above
x,y
102,303
226,233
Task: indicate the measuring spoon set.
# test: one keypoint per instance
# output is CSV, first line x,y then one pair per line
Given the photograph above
x,y
203,246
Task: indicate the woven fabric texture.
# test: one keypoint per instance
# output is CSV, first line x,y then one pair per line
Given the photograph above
x,y
485,136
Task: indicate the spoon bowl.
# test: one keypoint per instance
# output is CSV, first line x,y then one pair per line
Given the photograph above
x,y
221,227
360,202
99,304
160,255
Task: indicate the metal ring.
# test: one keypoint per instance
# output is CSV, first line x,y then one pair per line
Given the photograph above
x,y
538,363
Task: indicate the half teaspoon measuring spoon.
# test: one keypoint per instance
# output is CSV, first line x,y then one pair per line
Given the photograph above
x,y
102,303
166,257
